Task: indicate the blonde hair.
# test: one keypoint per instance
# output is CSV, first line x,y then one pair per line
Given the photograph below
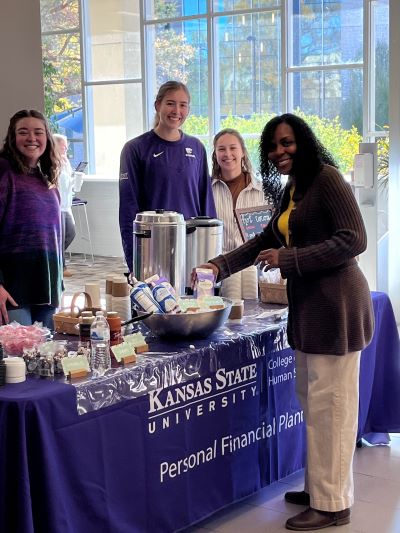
x,y
246,163
60,137
171,85
63,157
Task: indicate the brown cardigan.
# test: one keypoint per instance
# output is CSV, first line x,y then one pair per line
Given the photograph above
x,y
330,308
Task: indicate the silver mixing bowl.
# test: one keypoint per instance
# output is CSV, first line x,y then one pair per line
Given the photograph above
x,y
199,325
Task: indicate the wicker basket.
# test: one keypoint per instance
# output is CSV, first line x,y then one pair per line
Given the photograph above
x,y
273,293
66,320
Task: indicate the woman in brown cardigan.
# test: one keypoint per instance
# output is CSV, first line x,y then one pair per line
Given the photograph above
x,y
314,238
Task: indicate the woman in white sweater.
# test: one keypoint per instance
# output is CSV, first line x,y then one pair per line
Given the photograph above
x,y
234,186
66,183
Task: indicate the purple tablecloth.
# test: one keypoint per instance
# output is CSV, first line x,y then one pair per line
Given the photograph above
x,y
170,457
379,408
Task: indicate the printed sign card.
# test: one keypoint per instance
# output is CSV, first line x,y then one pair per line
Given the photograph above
x,y
252,220
75,367
124,351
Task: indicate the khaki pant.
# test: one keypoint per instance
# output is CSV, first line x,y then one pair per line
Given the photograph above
x,y
327,387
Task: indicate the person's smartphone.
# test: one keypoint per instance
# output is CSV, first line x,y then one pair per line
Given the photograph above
x,y
81,166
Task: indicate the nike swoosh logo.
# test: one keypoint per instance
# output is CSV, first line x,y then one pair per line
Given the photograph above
x,y
159,153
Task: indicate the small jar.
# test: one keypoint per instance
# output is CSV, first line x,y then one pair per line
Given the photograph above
x,y
15,370
46,365
31,357
59,354
114,321
84,329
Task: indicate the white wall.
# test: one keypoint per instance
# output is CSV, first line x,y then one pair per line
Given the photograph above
x,y
21,79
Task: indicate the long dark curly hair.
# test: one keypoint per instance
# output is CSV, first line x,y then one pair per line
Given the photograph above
x,y
49,162
307,161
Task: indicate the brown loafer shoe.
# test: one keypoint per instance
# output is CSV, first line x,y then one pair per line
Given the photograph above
x,y
298,497
312,519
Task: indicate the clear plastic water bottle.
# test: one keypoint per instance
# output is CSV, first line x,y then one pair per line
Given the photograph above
x,y
100,359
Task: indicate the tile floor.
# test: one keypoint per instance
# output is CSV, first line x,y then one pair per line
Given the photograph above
x,y
376,469
376,509
84,271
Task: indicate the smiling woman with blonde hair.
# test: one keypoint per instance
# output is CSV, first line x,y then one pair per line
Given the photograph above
x,y
164,168
233,182
235,186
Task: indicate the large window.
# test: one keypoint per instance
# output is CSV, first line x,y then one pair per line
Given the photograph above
x,y
93,76
326,59
112,79
243,60
62,67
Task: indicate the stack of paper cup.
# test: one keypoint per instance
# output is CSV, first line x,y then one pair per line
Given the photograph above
x,y
121,302
109,286
93,289
232,287
250,283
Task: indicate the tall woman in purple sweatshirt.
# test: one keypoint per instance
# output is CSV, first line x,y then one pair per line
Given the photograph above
x,y
164,168
30,258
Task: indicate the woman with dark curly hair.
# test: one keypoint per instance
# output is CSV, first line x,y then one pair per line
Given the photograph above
x,y
30,231
314,237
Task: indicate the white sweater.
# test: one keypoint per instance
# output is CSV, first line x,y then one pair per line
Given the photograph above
x,y
251,196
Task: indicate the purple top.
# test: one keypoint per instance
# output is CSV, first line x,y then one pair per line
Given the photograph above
x,y
30,266
160,174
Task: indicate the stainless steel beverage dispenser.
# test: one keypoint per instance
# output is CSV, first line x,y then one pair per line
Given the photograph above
x,y
159,246
203,242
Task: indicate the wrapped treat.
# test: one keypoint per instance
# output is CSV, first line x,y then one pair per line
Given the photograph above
x,y
165,299
56,350
15,337
214,302
204,285
189,305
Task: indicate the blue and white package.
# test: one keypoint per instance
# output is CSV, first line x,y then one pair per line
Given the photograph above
x,y
143,299
157,280
165,299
